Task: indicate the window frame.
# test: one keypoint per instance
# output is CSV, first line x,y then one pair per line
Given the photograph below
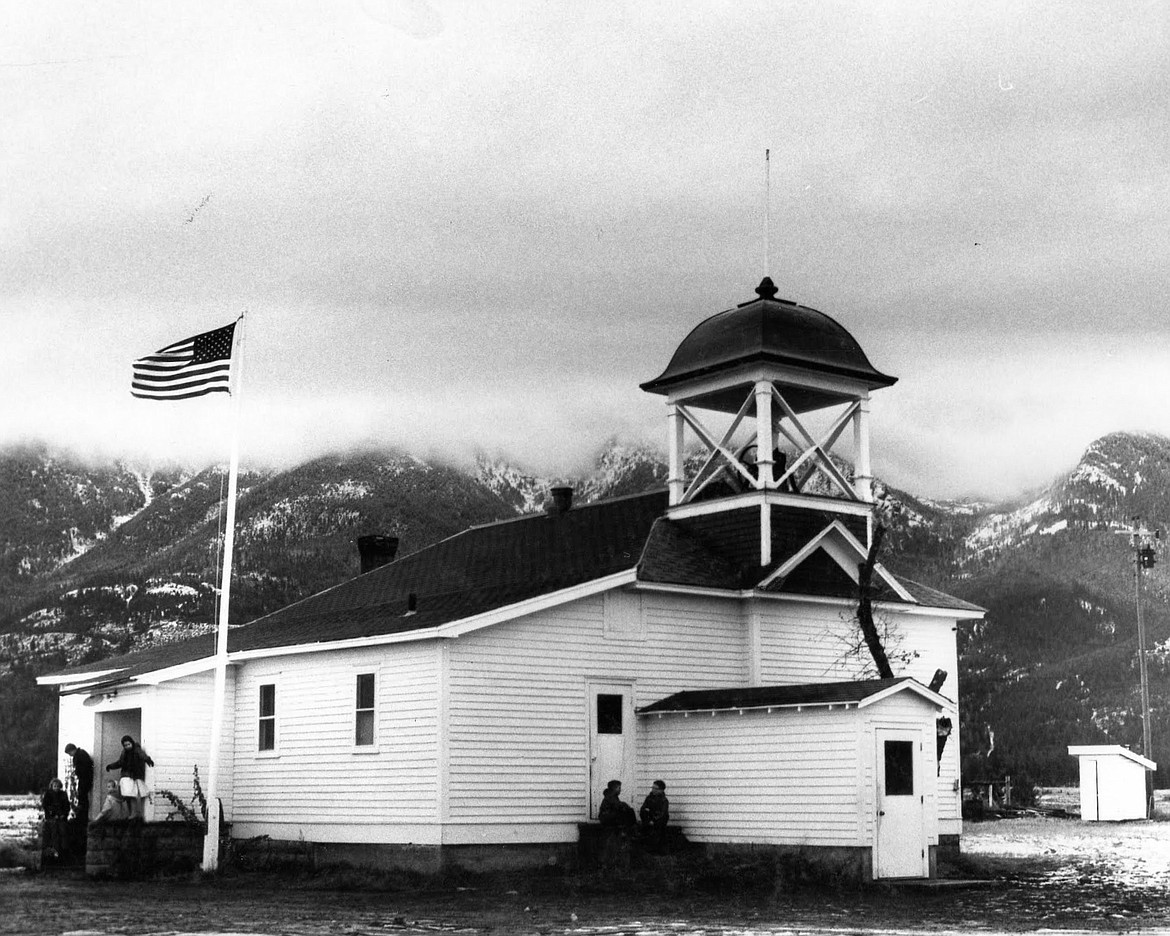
x,y
623,614
357,673
899,770
272,719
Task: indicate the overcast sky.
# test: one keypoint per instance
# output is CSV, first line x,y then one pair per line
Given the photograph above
x,y
460,225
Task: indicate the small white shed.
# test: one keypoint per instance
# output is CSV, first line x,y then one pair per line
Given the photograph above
x,y
1113,782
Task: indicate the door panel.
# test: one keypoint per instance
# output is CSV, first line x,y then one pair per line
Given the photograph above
x,y
611,741
901,805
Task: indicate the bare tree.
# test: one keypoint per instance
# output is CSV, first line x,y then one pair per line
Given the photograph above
x,y
865,589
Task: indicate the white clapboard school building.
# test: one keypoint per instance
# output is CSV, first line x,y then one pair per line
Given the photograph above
x,y
471,700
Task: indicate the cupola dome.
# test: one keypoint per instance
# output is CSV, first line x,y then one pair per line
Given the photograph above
x,y
768,331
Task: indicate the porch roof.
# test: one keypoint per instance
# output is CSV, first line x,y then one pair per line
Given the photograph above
x,y
854,692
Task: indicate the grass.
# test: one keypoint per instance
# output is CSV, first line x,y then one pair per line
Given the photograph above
x,y
16,855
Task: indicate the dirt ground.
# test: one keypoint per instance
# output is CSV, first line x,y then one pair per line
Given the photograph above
x,y
1043,874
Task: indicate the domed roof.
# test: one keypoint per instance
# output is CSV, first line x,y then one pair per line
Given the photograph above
x,y
768,330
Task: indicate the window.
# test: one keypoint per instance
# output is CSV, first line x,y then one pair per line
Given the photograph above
x,y
609,714
623,616
363,733
899,768
267,728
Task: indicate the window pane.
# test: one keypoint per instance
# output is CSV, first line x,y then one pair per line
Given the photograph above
x,y
609,714
267,700
899,768
267,734
364,733
365,690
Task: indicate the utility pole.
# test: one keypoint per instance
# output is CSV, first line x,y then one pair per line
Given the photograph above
x,y
1145,556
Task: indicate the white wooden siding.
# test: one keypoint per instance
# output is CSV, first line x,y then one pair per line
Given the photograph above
x,y
517,710
784,777
806,644
317,778
935,641
75,725
176,731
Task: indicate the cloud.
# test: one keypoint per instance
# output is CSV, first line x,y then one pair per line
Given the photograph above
x,y
515,211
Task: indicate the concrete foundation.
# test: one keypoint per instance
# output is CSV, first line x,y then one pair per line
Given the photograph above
x,y
135,850
417,859
804,863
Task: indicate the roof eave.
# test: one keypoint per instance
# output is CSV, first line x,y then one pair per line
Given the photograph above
x,y
664,382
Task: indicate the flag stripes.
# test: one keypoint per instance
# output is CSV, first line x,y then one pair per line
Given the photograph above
x,y
189,368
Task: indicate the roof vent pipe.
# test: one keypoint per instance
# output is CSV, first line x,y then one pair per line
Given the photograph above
x,y
562,499
376,550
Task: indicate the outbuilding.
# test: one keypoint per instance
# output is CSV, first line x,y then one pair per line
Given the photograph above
x,y
1113,782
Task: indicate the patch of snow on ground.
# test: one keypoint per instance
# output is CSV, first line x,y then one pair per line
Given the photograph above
x,y
44,618
167,632
78,545
344,489
19,817
1133,854
995,528
958,508
172,588
1054,528
1091,474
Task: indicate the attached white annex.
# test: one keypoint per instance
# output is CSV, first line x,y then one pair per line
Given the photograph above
x,y
471,700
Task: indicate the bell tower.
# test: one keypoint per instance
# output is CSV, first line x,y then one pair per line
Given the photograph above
x,y
768,364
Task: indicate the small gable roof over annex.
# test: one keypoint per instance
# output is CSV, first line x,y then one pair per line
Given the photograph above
x,y
847,692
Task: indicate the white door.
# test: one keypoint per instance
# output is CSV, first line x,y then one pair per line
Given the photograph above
x,y
900,850
611,739
1090,793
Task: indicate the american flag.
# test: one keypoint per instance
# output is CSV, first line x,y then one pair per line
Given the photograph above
x,y
188,368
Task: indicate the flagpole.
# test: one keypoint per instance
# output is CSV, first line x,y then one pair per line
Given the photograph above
x,y
211,839
767,212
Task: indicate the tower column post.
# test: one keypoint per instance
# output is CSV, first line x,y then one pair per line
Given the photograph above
x,y
675,480
862,472
765,435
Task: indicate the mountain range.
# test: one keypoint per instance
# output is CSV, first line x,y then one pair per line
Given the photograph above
x,y
101,559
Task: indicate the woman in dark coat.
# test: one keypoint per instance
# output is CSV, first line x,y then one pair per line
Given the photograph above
x,y
132,782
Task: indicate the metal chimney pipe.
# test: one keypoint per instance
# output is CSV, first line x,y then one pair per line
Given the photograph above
x,y
562,499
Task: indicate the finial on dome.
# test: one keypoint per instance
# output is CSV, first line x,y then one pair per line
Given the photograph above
x,y
767,289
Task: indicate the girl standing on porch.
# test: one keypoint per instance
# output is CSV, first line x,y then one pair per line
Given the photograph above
x,y
132,782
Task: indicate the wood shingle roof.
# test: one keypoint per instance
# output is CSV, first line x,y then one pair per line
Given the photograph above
x,y
495,566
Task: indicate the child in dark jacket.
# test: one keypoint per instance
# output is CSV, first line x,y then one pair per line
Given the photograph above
x,y
55,803
655,814
613,811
